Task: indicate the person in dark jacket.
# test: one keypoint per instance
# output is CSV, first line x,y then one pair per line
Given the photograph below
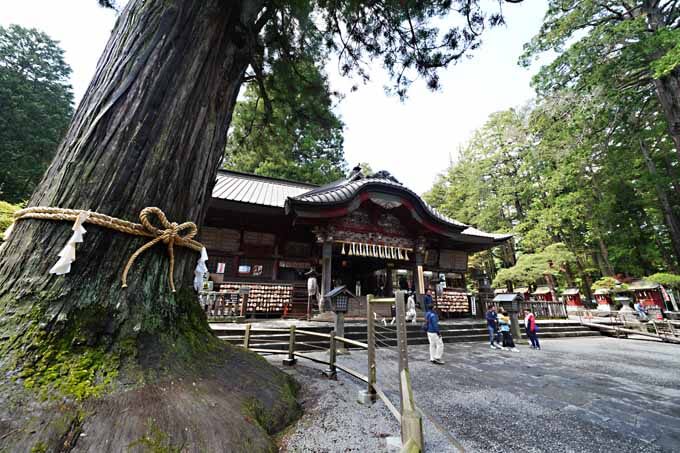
x,y
492,326
427,299
434,336
531,329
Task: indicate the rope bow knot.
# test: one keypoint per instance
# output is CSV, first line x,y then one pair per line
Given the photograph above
x,y
170,235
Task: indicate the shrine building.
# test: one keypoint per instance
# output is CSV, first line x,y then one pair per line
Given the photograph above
x,y
370,233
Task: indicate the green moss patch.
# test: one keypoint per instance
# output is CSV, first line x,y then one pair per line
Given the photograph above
x,y
78,375
155,441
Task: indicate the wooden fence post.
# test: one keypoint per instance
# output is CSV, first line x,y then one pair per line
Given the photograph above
x,y
401,330
402,347
291,348
411,420
331,371
244,302
369,396
246,337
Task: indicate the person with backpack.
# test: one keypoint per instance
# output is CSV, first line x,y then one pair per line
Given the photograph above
x,y
434,336
492,326
531,328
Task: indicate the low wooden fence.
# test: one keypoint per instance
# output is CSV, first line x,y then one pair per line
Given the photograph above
x,y
545,309
624,323
409,417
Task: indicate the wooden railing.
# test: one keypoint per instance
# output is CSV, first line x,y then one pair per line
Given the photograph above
x,y
409,418
545,309
624,323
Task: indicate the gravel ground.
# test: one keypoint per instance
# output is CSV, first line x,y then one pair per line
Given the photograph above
x,y
592,394
333,420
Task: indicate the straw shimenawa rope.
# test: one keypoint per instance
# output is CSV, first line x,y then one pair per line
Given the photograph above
x,y
169,233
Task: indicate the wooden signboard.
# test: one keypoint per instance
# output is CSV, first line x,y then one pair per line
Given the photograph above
x,y
220,239
362,227
453,259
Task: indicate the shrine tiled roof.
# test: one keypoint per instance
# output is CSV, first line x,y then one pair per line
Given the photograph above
x,y
542,290
255,189
281,193
471,231
641,285
345,190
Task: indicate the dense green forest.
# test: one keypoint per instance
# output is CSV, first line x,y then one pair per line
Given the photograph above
x,y
36,104
587,176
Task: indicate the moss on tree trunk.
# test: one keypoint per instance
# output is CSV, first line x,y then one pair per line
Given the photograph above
x,y
89,365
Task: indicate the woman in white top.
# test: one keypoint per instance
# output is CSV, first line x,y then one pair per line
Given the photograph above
x,y
411,308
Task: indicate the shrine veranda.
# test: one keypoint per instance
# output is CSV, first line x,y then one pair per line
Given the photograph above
x,y
370,233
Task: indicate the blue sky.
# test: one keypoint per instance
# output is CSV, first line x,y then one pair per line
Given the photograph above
x,y
415,140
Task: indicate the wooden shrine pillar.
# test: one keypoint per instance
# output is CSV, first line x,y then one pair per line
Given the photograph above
x,y
389,283
326,264
419,257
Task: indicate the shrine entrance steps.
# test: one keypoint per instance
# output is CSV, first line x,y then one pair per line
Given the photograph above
x,y
452,332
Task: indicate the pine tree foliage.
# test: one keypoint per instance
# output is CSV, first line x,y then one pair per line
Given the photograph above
x,y
626,49
298,137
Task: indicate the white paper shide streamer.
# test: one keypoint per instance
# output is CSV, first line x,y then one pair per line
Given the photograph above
x,y
201,270
68,253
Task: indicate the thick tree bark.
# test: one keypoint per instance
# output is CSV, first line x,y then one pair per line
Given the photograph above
x,y
150,131
669,216
668,92
587,279
605,267
568,275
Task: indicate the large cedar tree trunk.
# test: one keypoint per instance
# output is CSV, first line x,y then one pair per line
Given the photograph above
x,y
668,92
669,216
150,131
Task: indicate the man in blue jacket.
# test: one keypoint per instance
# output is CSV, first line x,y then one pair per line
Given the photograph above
x,y
434,336
492,326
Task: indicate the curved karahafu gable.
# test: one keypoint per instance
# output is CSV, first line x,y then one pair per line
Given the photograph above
x,y
342,197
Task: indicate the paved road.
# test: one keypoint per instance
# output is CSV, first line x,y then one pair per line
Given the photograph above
x,y
591,394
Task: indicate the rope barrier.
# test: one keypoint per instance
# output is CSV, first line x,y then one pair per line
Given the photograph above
x,y
170,233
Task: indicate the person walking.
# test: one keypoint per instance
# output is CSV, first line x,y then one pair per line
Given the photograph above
x,y
434,336
504,322
531,329
492,326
